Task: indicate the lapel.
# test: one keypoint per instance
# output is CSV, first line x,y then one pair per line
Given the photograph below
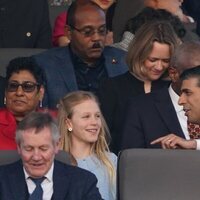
x,y
114,61
61,180
66,69
167,112
16,179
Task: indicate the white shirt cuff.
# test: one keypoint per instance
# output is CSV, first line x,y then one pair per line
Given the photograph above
x,y
198,144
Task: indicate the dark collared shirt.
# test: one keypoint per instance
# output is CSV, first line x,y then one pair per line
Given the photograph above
x,y
89,77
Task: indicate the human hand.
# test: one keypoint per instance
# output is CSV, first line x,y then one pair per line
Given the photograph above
x,y
172,141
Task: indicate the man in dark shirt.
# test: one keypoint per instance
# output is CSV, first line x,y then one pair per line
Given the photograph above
x,y
85,62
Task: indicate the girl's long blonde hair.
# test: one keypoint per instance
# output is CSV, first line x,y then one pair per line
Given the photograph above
x,y
100,147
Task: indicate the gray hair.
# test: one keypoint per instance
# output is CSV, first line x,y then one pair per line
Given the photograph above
x,y
37,121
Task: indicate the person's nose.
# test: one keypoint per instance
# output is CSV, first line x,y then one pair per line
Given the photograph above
x,y
159,65
181,100
19,91
36,155
96,36
94,120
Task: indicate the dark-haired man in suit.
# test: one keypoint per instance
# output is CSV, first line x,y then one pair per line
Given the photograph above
x,y
190,100
37,176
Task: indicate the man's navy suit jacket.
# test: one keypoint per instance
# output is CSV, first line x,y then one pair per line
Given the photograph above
x,y
69,183
60,75
149,117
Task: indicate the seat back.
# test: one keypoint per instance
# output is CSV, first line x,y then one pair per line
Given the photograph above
x,y
120,18
156,174
7,54
9,156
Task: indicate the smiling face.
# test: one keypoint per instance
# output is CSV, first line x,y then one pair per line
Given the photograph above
x,y
157,61
190,99
85,122
104,4
20,102
88,47
37,151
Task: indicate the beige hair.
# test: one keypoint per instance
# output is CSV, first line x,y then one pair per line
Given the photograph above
x,y
142,44
100,147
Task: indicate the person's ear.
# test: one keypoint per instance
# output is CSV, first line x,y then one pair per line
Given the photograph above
x,y
67,32
68,124
19,149
41,93
173,74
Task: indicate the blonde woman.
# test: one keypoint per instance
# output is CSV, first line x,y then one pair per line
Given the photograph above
x,y
148,59
84,134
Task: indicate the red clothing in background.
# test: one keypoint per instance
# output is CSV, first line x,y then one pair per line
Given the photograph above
x,y
7,130
59,26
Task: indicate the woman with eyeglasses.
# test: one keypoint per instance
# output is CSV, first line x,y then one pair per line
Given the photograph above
x,y
24,91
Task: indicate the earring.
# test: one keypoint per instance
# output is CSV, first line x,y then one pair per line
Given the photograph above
x,y
40,104
70,129
4,101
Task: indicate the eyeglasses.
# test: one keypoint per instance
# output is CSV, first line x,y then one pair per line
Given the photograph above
x,y
26,86
88,31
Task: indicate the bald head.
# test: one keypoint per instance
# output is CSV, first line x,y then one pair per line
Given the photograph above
x,y
187,55
81,6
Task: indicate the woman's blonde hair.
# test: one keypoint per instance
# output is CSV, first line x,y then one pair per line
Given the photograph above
x,y
100,147
142,44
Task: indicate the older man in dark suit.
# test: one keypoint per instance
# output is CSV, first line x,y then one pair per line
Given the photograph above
x,y
85,63
37,176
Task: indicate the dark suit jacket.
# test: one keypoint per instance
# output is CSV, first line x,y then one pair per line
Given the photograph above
x,y
114,95
60,75
149,117
192,8
2,91
24,23
69,183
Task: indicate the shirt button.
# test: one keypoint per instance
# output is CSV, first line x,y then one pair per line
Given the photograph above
x,y
28,34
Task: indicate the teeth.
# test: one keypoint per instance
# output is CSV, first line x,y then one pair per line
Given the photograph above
x,y
92,130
